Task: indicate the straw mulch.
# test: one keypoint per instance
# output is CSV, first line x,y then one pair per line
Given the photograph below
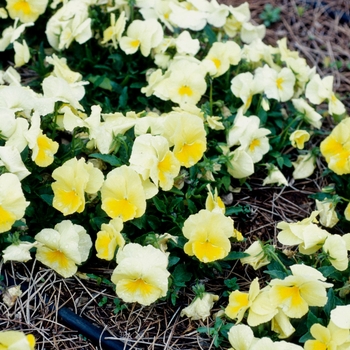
x,y
323,39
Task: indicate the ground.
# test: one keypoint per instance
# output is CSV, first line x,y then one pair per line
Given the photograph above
x,y
320,32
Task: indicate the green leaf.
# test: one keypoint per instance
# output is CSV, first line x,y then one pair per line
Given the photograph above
x,y
235,256
47,198
107,158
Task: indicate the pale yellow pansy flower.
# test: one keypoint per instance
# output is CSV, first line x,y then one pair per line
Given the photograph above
x,y
63,247
257,258
12,201
214,202
73,179
200,307
336,249
16,340
250,32
115,30
11,159
281,324
152,158
274,176
142,35
304,166
239,302
340,316
336,148
305,287
298,138
222,55
26,10
123,195
186,45
277,85
185,131
183,83
241,337
3,13
240,164
43,148
237,16
309,114
208,234
109,238
12,33
327,214
18,252
22,54
319,90
347,212
326,338
141,274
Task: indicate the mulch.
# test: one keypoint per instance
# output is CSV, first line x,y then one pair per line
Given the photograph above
x,y
317,30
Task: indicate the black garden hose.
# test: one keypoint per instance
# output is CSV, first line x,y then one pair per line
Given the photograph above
x,y
96,334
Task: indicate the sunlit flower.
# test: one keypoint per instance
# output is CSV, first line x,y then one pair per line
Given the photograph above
x,y
123,195
151,158
143,35
186,133
336,148
327,214
73,179
240,164
209,234
63,247
274,176
43,148
239,302
12,201
304,166
200,307
141,274
319,90
257,258
26,10
16,340
298,138
115,30
186,45
281,324
277,85
71,22
109,238
305,287
238,15
183,83
222,55
11,159
22,54
340,316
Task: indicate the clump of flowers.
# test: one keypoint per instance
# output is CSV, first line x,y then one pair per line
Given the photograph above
x,y
142,123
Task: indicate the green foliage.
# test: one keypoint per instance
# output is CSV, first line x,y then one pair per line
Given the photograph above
x,y
270,14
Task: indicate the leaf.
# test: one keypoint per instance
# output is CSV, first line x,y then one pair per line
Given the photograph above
x,y
47,198
235,256
181,275
107,158
160,205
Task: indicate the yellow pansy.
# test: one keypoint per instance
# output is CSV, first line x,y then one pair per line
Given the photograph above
x,y
109,238
73,179
12,201
63,247
26,10
141,274
123,194
200,307
208,233
16,340
298,138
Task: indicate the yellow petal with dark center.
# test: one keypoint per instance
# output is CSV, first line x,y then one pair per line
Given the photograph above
x,y
7,219
207,252
119,207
